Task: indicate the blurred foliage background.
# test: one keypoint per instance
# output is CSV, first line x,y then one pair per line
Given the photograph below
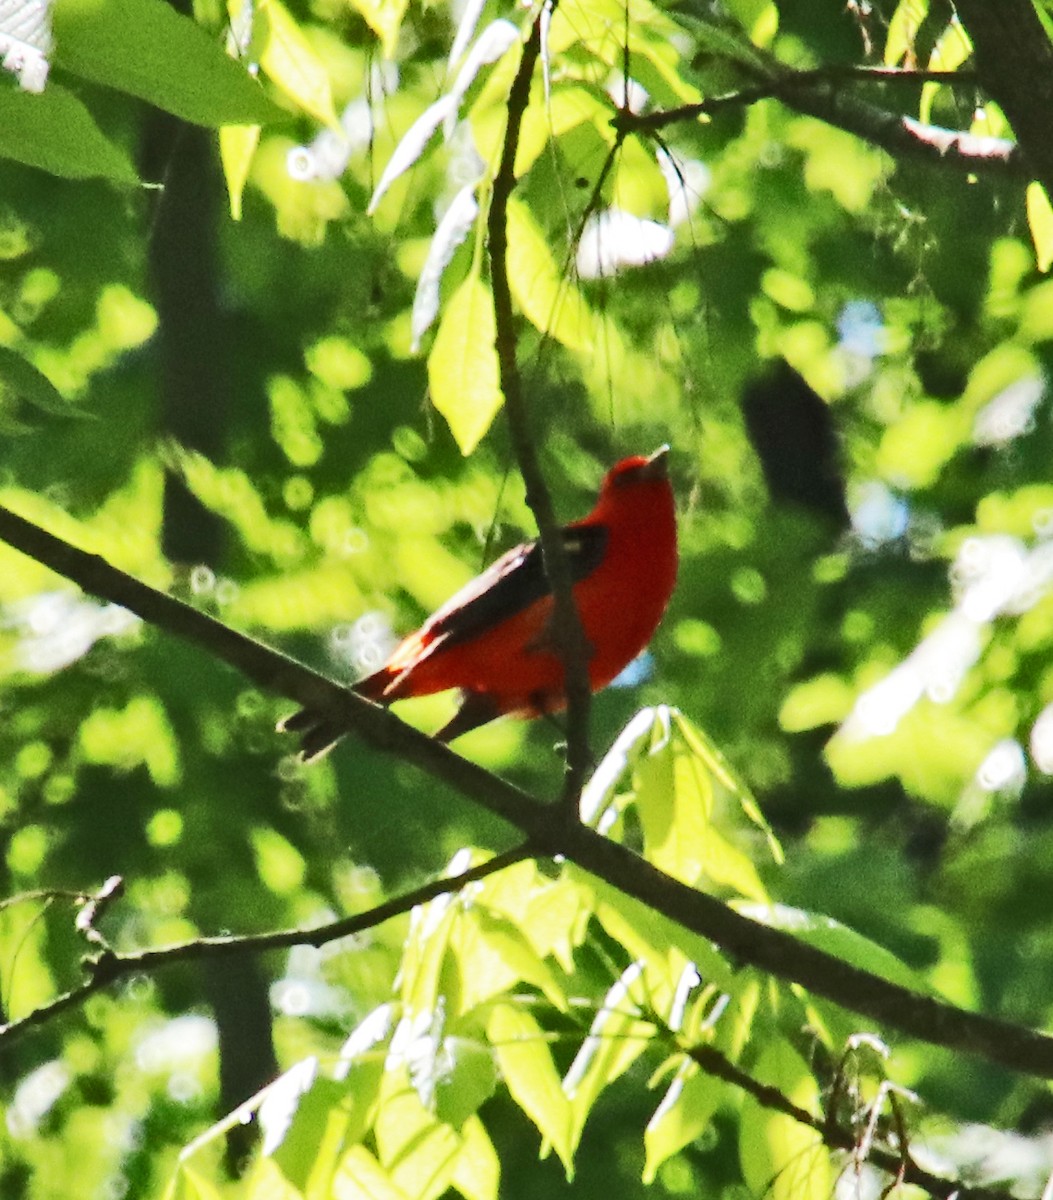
x,y
218,371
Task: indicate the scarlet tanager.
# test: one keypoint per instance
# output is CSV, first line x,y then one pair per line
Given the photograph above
x,y
493,638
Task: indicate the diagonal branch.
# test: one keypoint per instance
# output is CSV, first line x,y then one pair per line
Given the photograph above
x,y
568,635
821,94
934,1021
274,671
108,967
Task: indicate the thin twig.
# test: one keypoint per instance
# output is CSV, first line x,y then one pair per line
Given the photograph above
x,y
108,967
567,632
834,1136
865,73
816,94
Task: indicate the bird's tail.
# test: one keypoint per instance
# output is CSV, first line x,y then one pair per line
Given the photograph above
x,y
317,735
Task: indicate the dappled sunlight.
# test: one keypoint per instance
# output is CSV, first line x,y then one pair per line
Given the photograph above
x,y
310,312
614,239
55,629
364,645
992,576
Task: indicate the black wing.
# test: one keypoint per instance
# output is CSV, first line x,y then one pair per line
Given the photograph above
x,y
513,583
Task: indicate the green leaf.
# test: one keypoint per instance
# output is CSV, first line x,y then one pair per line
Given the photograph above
x,y
237,145
493,956
722,39
735,1027
600,793
477,1175
468,1079
570,106
952,48
360,1175
540,288
674,801
190,1182
456,224
721,770
679,782
411,146
280,1100
384,17
419,1152
523,1056
54,132
462,368
33,386
331,1115
620,1032
1040,222
684,1113
760,19
318,1120
678,777
550,913
146,48
781,1158
663,946
902,30
292,62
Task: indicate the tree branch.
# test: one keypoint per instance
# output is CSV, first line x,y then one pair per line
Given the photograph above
x,y
934,1021
108,967
568,634
275,672
834,1136
818,94
1014,60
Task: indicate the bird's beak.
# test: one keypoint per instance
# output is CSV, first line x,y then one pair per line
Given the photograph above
x,y
657,465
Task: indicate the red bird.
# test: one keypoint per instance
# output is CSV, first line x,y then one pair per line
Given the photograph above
x,y
493,640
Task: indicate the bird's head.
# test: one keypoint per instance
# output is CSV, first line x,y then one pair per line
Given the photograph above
x,y
638,469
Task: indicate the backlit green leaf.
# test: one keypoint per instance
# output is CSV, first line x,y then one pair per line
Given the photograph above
x,y
781,1158
318,1120
462,367
384,17
659,943
417,1150
477,1175
1040,222
540,287
685,1111
493,956
469,1077
550,913
902,30
237,145
359,1174
292,63
620,1032
522,1052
